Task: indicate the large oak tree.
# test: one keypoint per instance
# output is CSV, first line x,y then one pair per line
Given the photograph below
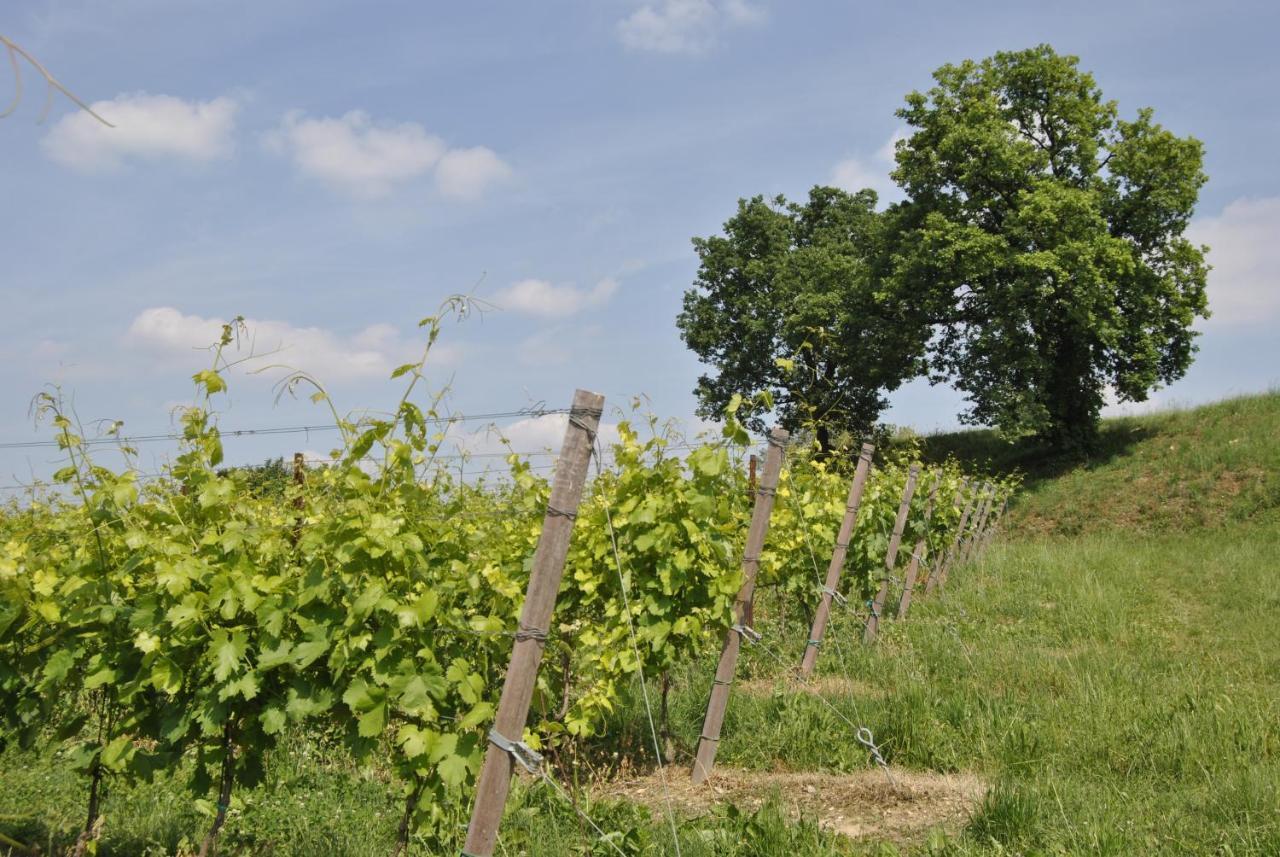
x,y
1045,235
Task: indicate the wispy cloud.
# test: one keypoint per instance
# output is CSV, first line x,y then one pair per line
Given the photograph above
x,y
146,127
857,172
370,353
533,434
688,27
1244,285
544,348
468,173
547,300
369,159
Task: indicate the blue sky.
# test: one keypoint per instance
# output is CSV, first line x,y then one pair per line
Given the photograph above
x,y
333,170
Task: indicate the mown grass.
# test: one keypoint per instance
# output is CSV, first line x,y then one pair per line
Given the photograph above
x,y
1121,693
1113,674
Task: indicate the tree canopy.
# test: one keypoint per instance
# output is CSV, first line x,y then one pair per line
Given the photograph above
x,y
1037,263
785,302
1046,234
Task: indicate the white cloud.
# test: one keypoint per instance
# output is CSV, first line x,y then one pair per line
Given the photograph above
x,y
146,127
1244,285
1113,407
368,159
467,173
853,174
544,299
684,26
856,173
532,434
544,348
370,353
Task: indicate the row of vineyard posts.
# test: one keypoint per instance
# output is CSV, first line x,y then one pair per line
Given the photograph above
x,y
981,510
139,627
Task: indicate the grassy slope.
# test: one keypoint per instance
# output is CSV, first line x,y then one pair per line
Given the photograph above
x,y
1110,667
1164,472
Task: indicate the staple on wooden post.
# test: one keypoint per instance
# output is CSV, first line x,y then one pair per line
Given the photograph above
x,y
709,738
831,586
891,555
539,603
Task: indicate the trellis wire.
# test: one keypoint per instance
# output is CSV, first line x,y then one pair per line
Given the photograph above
x,y
635,646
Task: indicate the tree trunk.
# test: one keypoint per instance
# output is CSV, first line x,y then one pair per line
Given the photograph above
x,y
210,844
1072,395
822,434
406,820
95,784
95,787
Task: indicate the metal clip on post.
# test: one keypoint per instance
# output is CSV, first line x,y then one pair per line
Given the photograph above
x,y
525,756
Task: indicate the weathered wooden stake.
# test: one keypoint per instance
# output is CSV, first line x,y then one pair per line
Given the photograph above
x,y
891,555
913,567
832,585
975,532
709,740
535,621
938,575
299,478
749,615
994,523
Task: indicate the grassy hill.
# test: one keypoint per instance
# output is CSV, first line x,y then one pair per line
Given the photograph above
x,y
1105,679
1165,472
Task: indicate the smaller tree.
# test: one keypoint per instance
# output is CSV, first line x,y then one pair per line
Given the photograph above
x,y
787,302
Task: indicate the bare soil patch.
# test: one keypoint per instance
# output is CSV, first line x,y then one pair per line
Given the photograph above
x,y
861,805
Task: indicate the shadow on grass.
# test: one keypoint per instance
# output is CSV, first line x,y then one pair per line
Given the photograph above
x,y
985,451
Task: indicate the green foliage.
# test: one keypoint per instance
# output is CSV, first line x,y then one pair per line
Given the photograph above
x,y
1038,263
1043,236
196,621
787,301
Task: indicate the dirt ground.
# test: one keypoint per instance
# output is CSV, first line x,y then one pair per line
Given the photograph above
x,y
862,805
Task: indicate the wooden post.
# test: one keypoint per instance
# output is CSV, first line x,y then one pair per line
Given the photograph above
x,y
938,575
994,523
749,615
299,478
913,567
891,555
832,585
709,740
975,532
535,621
984,524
